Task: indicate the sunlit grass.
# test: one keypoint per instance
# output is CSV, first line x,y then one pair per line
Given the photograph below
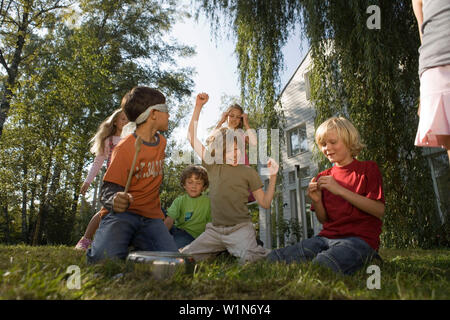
x,y
41,273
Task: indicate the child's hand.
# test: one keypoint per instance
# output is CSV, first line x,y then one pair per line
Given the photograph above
x,y
202,98
84,188
122,201
224,118
313,191
328,182
272,165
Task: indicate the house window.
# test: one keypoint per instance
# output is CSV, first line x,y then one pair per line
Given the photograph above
x,y
293,203
297,141
291,177
307,85
304,172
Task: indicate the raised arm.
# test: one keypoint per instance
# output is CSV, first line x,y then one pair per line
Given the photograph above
x,y
264,199
222,120
196,144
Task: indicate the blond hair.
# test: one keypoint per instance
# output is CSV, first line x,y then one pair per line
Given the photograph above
x,y
105,130
345,131
238,108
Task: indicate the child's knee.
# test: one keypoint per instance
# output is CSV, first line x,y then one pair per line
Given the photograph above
x,y
328,261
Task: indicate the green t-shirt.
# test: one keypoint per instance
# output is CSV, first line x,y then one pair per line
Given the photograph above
x,y
191,214
228,190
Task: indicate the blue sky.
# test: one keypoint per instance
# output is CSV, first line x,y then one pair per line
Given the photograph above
x,y
216,67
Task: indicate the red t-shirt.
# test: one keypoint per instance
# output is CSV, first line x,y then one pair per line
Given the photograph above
x,y
147,176
344,219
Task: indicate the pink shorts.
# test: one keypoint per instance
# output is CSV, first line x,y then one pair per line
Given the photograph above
x,y
434,106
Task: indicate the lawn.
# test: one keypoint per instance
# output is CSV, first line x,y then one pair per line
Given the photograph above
x,y
42,273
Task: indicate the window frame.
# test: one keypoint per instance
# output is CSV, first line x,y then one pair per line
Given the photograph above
x,y
289,141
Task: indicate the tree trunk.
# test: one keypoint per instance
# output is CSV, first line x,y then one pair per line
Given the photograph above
x,y
12,70
7,231
46,204
43,202
24,201
24,213
31,216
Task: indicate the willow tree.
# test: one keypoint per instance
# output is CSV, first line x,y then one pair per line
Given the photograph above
x,y
366,74
261,29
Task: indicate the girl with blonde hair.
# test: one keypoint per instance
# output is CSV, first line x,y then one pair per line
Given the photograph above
x,y
107,137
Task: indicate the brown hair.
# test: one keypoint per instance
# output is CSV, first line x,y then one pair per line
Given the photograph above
x,y
138,99
198,171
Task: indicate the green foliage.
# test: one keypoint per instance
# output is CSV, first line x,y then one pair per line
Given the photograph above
x,y
83,70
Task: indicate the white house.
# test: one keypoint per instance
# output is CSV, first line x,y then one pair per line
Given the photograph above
x,y
296,156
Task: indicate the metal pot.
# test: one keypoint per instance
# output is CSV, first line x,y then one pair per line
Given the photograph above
x,y
161,264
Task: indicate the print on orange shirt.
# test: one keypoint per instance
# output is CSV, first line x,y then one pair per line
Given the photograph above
x,y
147,176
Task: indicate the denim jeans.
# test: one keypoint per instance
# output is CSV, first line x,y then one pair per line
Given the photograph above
x,y
182,237
345,255
117,231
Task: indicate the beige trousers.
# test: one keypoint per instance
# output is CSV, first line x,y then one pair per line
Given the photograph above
x,y
239,240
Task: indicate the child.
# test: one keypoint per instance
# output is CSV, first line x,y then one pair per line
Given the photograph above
x,y
348,200
231,228
433,18
191,211
135,218
103,143
236,119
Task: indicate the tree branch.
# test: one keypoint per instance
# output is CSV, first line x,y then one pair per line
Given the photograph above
x,y
3,62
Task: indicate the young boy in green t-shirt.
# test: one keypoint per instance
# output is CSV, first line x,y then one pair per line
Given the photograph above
x,y
188,215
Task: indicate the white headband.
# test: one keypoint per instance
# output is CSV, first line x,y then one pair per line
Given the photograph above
x,y
131,126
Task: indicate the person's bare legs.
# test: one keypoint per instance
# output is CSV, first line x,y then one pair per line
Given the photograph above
x,y
86,240
93,226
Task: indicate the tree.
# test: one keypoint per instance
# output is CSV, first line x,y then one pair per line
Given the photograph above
x,y
20,21
80,77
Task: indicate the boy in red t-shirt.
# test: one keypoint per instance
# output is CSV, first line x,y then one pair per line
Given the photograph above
x,y
135,218
348,200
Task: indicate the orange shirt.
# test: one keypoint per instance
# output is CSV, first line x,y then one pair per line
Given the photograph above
x,y
147,174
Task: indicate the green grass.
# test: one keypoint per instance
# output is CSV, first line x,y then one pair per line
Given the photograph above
x,y
40,273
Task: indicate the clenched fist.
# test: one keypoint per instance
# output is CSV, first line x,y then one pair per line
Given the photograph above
x,y
273,167
122,201
202,98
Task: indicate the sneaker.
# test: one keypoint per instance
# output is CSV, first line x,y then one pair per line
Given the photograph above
x,y
83,244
